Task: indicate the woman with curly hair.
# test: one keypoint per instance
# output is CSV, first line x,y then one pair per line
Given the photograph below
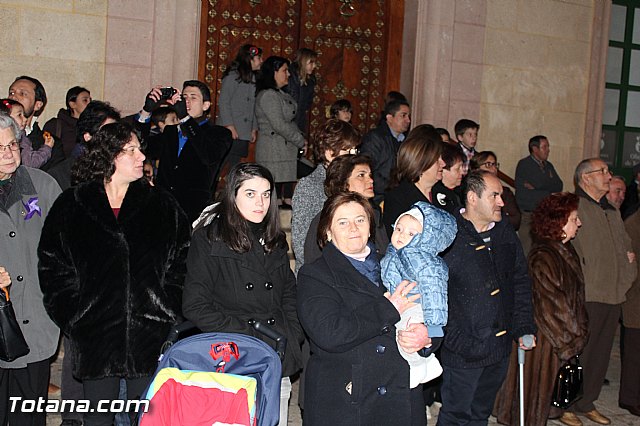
x,y
112,265
559,312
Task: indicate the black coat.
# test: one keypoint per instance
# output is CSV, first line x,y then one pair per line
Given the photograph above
x,y
190,177
397,201
57,152
225,289
490,302
114,286
355,375
382,147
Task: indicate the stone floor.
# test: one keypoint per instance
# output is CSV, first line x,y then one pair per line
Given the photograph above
x,y
607,404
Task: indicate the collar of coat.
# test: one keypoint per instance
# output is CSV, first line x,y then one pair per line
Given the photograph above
x,y
22,186
343,270
603,203
92,198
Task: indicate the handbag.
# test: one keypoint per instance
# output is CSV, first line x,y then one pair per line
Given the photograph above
x,y
12,343
568,387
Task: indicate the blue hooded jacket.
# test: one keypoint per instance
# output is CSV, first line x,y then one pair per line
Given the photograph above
x,y
418,261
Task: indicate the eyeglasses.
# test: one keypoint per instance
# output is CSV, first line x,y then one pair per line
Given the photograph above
x,y
13,146
603,170
131,150
491,164
352,151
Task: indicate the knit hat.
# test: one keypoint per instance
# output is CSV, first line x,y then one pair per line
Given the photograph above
x,y
413,212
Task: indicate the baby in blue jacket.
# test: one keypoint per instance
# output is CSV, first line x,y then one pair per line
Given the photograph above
x,y
419,234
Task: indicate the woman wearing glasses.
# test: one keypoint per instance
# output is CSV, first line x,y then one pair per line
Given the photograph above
x,y
112,265
487,160
26,196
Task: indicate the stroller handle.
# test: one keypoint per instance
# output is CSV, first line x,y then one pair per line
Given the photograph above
x,y
280,339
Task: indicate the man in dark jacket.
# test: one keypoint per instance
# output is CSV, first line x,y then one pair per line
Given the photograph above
x,y
489,304
191,153
382,143
31,94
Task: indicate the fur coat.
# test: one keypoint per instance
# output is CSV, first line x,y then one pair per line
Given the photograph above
x,y
561,316
114,286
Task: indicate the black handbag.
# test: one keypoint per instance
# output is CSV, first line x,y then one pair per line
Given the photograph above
x,y
12,343
568,388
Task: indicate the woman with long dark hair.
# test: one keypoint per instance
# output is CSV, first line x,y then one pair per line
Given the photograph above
x,y
279,137
112,265
237,100
559,312
238,269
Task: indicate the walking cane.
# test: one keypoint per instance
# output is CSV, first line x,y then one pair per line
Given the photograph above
x,y
527,342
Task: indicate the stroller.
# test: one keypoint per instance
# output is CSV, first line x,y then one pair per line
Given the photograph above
x,y
216,379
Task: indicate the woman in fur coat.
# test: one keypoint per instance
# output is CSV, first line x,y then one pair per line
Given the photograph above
x,y
559,312
111,265
238,269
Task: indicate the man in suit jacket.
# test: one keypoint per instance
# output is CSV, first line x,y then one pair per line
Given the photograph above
x,y
191,153
382,143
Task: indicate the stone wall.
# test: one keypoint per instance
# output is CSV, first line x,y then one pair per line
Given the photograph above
x,y
535,80
117,49
60,42
518,67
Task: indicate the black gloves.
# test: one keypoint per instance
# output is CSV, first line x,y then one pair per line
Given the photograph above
x,y
181,108
150,103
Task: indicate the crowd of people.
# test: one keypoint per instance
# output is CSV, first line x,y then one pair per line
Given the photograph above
x,y
418,272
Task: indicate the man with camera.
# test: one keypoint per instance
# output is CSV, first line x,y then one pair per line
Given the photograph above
x,y
191,153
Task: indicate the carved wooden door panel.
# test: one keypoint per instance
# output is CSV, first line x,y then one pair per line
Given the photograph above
x,y
358,42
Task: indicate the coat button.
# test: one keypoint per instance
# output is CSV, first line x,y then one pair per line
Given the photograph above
x,y
386,329
268,285
251,322
273,133
271,321
19,278
25,321
249,286
380,349
12,234
382,390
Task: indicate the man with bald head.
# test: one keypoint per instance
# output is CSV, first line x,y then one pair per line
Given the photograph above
x,y
609,268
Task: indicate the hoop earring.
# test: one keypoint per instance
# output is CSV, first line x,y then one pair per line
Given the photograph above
x,y
563,235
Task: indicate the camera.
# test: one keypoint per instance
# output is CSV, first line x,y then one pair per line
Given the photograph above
x,y
167,92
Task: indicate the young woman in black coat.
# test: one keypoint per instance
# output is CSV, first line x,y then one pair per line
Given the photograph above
x,y
111,265
238,269
355,375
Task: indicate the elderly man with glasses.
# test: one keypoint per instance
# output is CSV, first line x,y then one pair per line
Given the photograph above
x,y
26,196
609,268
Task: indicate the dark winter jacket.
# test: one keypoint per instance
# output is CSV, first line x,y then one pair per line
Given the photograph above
x,y
63,127
114,286
225,291
446,198
37,140
382,147
419,262
303,95
489,296
192,176
398,200
355,375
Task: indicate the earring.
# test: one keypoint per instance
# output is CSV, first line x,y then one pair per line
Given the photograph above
x,y
563,235
328,237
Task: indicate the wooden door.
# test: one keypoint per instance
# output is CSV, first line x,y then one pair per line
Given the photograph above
x,y
358,42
